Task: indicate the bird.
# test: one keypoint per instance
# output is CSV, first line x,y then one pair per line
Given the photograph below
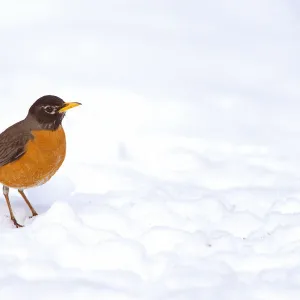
x,y
33,149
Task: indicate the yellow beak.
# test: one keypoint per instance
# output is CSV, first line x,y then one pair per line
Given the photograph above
x,y
68,105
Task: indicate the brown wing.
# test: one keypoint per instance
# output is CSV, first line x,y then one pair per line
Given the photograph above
x,y
13,143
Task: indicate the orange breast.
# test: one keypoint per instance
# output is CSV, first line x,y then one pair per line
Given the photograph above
x,y
44,155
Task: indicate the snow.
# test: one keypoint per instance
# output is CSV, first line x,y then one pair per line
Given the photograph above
x,y
182,178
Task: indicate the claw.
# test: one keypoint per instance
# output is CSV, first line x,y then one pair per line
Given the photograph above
x,y
33,215
16,223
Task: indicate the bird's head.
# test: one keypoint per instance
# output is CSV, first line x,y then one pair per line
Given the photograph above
x,y
49,111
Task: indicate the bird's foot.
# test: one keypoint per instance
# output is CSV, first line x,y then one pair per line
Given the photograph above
x,y
34,214
16,223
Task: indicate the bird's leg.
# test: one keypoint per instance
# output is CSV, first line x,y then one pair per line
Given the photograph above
x,y
33,211
12,217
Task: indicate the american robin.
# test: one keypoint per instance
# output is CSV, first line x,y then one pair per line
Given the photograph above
x,y
32,150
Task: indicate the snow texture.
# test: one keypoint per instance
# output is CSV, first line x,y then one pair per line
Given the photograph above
x,y
182,177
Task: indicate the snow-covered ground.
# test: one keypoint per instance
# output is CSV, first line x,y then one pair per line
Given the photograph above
x,y
182,177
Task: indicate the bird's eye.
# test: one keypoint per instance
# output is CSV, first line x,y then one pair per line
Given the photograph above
x,y
49,109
